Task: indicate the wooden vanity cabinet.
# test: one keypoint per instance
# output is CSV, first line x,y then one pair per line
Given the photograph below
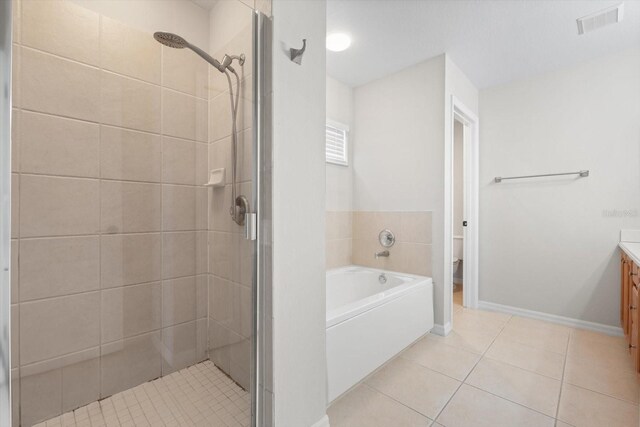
x,y
630,306
633,339
625,269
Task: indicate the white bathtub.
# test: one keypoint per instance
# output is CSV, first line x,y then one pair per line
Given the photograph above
x,y
369,322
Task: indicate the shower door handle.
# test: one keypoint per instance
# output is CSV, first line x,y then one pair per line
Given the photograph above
x,y
250,226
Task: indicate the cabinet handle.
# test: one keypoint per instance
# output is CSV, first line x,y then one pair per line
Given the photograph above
x,y
632,307
632,346
632,274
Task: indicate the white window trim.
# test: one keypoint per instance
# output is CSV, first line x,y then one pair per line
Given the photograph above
x,y
345,128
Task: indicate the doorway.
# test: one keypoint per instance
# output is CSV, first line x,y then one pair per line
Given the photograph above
x,y
458,214
463,174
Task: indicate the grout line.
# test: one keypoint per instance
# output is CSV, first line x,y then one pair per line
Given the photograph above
x,y
364,383
110,125
470,371
109,288
100,142
564,368
100,68
125,234
178,91
162,225
524,369
512,401
636,404
123,180
107,343
498,396
511,340
57,56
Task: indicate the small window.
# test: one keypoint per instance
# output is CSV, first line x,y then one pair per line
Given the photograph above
x,y
336,144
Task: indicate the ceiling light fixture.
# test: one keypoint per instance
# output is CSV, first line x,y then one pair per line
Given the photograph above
x,y
337,42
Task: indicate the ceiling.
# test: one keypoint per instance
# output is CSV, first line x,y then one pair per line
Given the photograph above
x,y
492,41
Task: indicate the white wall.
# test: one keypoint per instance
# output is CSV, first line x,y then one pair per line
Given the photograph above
x,y
398,150
398,144
545,244
177,16
340,178
401,124
230,21
298,214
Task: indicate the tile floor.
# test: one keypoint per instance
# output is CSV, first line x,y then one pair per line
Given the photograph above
x,y
497,370
200,395
457,296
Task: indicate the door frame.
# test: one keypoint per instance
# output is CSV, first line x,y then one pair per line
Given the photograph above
x,y
5,212
471,143
262,284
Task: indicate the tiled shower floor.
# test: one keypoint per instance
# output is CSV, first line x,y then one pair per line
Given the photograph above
x,y
200,395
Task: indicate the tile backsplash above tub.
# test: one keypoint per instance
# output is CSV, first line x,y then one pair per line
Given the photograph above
x,y
339,239
352,238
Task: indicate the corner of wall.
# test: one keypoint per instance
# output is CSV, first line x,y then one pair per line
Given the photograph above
x,y
458,85
299,313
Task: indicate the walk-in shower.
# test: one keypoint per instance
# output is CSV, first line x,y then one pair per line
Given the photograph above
x,y
130,288
239,204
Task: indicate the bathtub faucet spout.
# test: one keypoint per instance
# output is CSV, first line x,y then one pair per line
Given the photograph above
x,y
382,254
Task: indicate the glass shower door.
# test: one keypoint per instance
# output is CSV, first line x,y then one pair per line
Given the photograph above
x,y
134,294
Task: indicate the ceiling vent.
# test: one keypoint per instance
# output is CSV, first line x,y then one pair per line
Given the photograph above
x,y
602,18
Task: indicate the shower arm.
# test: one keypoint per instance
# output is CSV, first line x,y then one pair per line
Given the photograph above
x,y
204,55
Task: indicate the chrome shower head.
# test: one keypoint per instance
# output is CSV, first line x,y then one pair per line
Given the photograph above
x,y
177,42
170,40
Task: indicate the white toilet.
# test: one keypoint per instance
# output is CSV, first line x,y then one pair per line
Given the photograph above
x,y
457,261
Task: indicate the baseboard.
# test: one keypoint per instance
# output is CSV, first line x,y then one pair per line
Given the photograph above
x,y
560,320
322,422
442,330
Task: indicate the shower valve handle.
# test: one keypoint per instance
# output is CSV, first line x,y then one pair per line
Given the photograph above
x,y
251,226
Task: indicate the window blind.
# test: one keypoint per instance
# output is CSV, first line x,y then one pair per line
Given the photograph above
x,y
336,144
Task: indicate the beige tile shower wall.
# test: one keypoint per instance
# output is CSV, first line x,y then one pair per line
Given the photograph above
x,y
230,254
339,239
412,250
110,222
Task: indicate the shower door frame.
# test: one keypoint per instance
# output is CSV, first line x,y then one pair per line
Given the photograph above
x,y
260,224
6,32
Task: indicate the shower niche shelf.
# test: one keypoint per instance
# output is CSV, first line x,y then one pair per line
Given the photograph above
x,y
216,178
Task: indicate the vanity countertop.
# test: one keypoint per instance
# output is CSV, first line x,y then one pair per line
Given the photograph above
x,y
632,249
